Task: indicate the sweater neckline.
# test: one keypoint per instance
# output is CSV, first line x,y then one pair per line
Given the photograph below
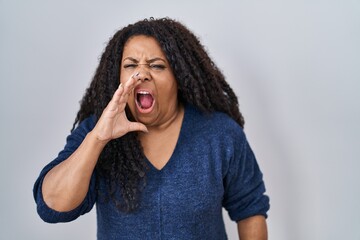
x,y
179,142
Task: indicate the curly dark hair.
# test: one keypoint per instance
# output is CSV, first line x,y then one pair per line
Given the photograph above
x,y
200,83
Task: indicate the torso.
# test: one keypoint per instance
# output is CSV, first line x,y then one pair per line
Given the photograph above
x,y
184,192
159,144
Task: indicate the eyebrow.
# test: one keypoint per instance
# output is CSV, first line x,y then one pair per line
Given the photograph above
x,y
148,61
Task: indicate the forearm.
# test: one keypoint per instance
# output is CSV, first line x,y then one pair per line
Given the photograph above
x,y
66,185
253,228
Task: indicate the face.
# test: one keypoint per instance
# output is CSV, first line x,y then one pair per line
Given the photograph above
x,y
154,101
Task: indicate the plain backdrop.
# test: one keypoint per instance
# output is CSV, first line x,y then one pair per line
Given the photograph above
x,y
295,66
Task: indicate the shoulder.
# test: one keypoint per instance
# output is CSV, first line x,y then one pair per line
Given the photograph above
x,y
85,125
82,129
217,124
217,136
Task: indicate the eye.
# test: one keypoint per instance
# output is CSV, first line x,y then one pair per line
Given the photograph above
x,y
130,65
157,66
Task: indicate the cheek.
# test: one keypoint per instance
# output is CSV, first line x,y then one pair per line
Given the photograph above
x,y
124,76
172,91
168,96
122,79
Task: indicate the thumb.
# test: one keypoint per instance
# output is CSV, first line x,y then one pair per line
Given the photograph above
x,y
136,126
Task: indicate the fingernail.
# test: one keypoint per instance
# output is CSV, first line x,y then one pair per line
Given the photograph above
x,y
120,85
135,74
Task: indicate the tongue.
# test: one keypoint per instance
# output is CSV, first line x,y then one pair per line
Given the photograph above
x,y
145,100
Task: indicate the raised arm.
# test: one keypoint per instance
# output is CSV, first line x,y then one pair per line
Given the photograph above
x,y
66,185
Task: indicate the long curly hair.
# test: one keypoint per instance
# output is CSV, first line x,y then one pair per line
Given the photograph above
x,y
200,83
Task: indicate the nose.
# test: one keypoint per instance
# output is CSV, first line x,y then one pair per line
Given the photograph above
x,y
143,73
143,76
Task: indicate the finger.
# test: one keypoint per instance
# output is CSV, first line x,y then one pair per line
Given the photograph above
x,y
136,126
131,83
113,104
128,88
124,97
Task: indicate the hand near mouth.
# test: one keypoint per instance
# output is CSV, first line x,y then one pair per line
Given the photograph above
x,y
113,122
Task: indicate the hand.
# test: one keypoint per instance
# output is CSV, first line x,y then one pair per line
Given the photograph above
x,y
113,122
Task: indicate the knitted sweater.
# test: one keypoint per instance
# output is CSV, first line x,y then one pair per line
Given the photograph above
x,y
211,167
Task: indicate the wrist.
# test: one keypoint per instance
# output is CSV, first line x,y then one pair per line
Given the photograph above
x,y
96,140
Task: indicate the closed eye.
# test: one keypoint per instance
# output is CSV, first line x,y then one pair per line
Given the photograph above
x,y
153,66
157,66
130,65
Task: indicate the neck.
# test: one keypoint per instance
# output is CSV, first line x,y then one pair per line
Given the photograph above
x,y
174,121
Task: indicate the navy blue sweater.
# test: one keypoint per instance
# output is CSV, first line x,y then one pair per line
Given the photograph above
x,y
212,167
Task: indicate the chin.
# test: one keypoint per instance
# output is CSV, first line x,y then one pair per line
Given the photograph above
x,y
146,119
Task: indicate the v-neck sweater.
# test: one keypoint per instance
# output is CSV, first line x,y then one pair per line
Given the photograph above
x,y
212,167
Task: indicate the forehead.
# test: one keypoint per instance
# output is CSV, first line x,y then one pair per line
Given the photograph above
x,y
142,45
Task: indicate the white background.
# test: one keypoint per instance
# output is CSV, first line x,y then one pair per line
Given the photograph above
x,y
295,66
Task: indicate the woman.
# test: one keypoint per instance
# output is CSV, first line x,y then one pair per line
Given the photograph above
x,y
157,144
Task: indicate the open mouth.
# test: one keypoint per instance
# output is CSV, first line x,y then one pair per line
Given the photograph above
x,y
144,101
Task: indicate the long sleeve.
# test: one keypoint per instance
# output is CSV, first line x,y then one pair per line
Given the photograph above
x,y
73,141
243,183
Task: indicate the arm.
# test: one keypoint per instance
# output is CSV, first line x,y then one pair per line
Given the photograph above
x,y
245,197
65,186
253,228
